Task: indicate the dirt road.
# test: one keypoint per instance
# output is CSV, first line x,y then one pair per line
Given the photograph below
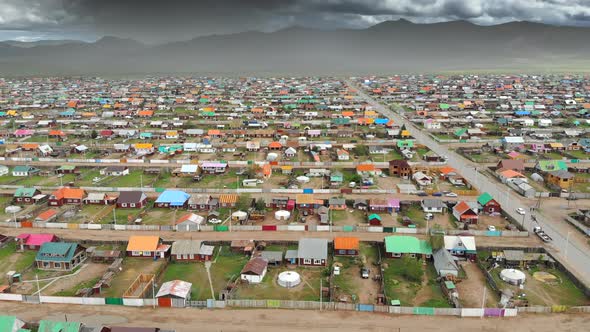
x,y
109,235
189,320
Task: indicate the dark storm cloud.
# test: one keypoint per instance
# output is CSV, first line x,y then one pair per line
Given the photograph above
x,y
159,20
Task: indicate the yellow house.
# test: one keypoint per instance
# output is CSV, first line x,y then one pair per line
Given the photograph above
x,y
562,179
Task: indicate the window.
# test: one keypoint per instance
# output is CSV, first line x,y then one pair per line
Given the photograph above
x,y
136,253
342,252
147,253
306,261
45,264
123,204
317,261
191,256
132,205
57,265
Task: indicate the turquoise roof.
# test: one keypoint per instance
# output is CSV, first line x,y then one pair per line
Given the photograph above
x,y
56,251
25,192
407,245
51,326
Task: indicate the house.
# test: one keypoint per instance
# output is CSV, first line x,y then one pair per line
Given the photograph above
x,y
228,200
53,326
461,246
34,241
147,246
444,263
360,204
312,252
214,168
199,202
175,289
115,171
512,142
399,245
46,216
25,171
274,258
433,205
337,203
172,199
131,199
242,246
400,168
522,187
488,203
422,179
510,175
45,150
11,324
305,202
346,246
562,179
342,155
191,250
512,164
60,256
188,221
254,271
374,219
465,212
4,170
290,152
100,199
66,169
367,170
66,195
551,165
431,124
25,195
336,179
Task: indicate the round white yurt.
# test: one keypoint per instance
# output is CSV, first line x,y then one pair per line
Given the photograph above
x,y
272,156
513,276
289,279
12,209
239,216
282,215
302,179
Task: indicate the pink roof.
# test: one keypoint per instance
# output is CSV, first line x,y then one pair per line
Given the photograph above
x,y
36,239
23,132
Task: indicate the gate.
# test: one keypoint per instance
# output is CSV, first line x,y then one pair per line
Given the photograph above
x,y
164,302
31,299
198,304
365,307
26,224
113,300
269,227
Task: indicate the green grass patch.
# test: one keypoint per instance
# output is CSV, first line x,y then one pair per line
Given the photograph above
x,y
72,291
11,260
193,272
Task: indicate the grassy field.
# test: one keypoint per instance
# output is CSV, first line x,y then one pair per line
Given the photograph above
x,y
194,273
122,216
415,213
72,291
10,260
579,154
308,290
226,267
132,267
135,178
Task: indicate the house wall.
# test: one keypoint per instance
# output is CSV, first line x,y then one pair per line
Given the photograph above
x,y
186,258
432,209
55,202
137,205
253,279
141,254
345,252
322,262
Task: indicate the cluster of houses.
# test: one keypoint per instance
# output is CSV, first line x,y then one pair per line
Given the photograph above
x,y
14,324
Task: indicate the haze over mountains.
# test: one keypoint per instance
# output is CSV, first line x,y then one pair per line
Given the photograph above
x,y
389,47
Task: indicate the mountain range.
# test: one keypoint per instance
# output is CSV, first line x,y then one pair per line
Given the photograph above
x,y
385,48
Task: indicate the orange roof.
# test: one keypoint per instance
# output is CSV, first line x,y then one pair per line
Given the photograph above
x,y
143,145
88,114
30,146
365,167
47,214
511,174
66,192
461,207
214,132
275,145
143,243
447,170
348,113
346,243
257,110
228,198
145,113
266,169
56,133
72,103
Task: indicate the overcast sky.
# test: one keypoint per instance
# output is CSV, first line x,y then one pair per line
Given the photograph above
x,y
157,21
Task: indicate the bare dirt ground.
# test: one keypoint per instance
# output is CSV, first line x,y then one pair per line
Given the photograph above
x,y
485,221
263,320
88,272
471,289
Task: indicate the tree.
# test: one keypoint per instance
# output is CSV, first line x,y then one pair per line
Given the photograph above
x,y
436,238
93,134
260,204
412,269
361,150
244,202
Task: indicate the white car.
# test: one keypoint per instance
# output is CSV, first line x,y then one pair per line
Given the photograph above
x,y
521,211
491,228
451,194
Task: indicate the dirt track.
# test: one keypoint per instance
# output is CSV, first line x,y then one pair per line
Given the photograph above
x,y
188,320
108,235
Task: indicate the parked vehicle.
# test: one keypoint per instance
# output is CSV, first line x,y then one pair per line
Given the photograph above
x,y
437,194
541,234
365,273
451,194
521,211
491,228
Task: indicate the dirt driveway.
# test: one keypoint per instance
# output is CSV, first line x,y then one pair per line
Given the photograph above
x,y
471,289
88,272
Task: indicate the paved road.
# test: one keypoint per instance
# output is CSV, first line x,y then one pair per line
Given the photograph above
x,y
572,252
272,320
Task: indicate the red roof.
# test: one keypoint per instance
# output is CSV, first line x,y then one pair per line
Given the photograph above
x,y
37,239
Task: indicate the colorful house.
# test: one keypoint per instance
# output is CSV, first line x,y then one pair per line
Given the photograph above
x,y
398,246
346,246
60,256
147,246
489,204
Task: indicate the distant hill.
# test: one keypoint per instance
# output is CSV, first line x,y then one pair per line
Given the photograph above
x,y
389,47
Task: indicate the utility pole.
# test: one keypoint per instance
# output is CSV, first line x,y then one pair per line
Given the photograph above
x,y
38,288
115,214
154,293
483,300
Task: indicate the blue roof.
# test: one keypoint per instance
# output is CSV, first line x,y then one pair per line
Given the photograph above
x,y
381,121
174,197
522,112
67,113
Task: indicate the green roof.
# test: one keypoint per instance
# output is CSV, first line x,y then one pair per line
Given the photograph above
x,y
23,168
67,167
375,216
449,285
407,245
484,198
444,106
56,251
405,143
50,326
25,192
460,132
552,165
7,323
